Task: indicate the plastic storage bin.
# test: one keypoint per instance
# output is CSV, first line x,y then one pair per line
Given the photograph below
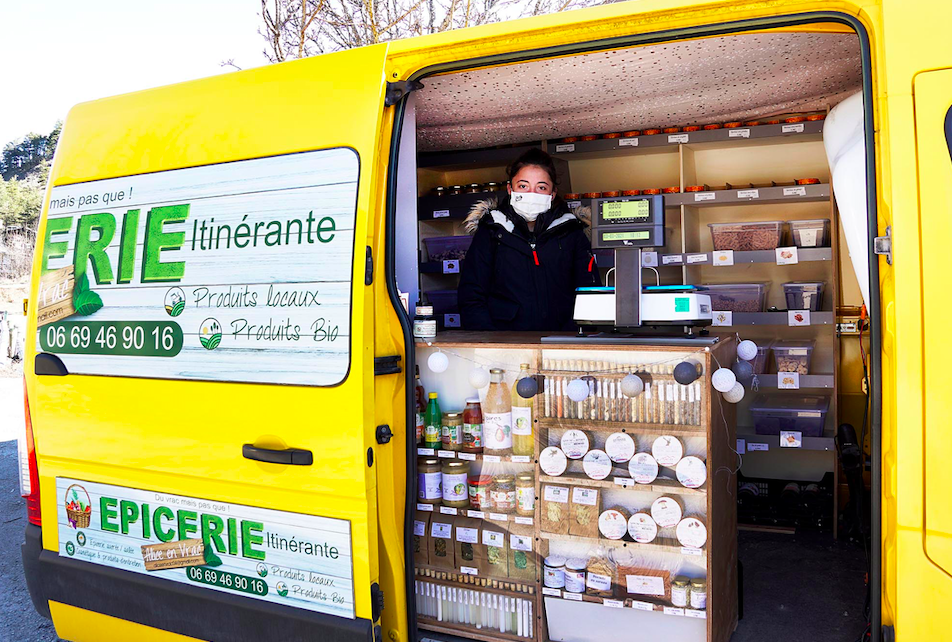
x,y
803,413
747,236
804,295
793,356
760,361
737,297
812,233
447,248
443,301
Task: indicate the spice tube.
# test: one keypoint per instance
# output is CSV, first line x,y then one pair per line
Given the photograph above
x,y
620,447
553,461
691,532
691,472
613,523
575,444
597,465
643,468
575,575
642,528
553,572
666,511
667,450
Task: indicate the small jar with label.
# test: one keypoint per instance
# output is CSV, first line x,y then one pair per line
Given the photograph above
x,y
479,488
553,572
525,494
456,483
575,575
473,426
424,323
430,481
452,436
679,591
503,494
698,594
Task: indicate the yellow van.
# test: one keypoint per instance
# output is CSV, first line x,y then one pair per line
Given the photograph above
x,y
211,454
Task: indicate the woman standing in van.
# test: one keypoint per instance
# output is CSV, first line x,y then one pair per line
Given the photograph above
x,y
529,253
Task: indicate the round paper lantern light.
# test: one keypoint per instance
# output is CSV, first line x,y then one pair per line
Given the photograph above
x,y
438,362
743,370
578,390
747,350
735,394
723,379
479,377
632,385
527,387
686,372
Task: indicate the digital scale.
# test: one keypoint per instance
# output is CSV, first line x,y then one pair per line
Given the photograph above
x,y
626,225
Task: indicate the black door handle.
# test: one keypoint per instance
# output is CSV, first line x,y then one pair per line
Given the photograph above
x,y
292,456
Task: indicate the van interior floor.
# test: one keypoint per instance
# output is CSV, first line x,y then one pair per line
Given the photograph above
x,y
802,586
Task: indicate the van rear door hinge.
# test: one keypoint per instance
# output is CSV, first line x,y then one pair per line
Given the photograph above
x,y
883,245
398,89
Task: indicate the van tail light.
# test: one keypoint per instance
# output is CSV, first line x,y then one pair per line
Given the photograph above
x,y
29,473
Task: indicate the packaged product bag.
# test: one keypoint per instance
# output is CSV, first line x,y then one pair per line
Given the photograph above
x,y
554,509
584,510
466,533
522,553
421,539
494,541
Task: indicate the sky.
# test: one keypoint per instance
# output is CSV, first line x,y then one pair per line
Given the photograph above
x,y
56,53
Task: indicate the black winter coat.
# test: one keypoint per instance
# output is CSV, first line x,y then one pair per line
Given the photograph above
x,y
514,279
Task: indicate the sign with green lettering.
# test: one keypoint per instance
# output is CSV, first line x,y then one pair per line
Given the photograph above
x,y
287,558
233,272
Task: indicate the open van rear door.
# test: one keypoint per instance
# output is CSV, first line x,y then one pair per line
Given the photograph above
x,y
201,375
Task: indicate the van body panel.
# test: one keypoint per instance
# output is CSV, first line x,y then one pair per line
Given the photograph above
x,y
186,437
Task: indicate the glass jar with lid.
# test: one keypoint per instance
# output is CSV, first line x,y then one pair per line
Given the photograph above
x,y
479,488
430,481
474,188
525,494
456,190
575,575
679,591
698,594
503,494
424,323
473,426
456,483
452,437
553,572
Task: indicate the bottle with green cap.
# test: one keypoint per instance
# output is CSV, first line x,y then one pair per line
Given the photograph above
x,y
432,424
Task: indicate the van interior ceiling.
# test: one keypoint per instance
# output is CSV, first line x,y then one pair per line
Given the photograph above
x,y
801,532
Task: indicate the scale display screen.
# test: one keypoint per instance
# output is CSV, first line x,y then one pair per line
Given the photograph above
x,y
641,235
636,210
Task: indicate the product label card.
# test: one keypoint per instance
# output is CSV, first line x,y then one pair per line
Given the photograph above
x,y
800,190
791,439
722,318
448,510
649,259
494,538
696,258
565,148
575,597
748,193
520,543
704,196
788,380
678,138
645,584
751,446
738,133
672,259
798,317
238,271
468,570
787,256
419,528
286,558
441,213
451,267
722,257
468,535
441,530
792,128
587,496
741,446
558,494
428,508
628,142
808,237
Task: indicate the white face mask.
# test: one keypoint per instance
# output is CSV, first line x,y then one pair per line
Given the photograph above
x,y
529,204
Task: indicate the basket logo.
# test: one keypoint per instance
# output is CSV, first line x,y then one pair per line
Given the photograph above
x,y
78,507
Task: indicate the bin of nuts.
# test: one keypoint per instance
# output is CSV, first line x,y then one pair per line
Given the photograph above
x,y
765,235
793,356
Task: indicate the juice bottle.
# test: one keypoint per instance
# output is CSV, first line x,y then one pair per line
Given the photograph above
x,y
420,407
497,416
433,424
522,441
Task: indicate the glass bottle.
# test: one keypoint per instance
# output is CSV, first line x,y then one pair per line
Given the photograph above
x,y
420,407
497,416
522,441
473,426
433,424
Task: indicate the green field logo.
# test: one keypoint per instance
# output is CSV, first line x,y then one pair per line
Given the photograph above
x,y
210,333
174,302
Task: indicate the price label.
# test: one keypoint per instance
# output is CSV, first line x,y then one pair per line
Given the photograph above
x,y
478,514
787,256
499,517
642,606
723,257
521,459
419,528
441,213
575,597
795,191
673,610
628,142
697,258
678,138
426,508
551,591
564,149
798,317
495,459
451,320
741,446
624,482
448,510
701,615
451,267
792,128
748,193
446,454
672,259
751,446
527,521
425,451
467,456
791,439
704,196
614,604
687,550
738,133
788,380
573,204
468,570
722,318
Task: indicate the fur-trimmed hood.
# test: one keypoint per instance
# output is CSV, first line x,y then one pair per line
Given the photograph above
x,y
490,208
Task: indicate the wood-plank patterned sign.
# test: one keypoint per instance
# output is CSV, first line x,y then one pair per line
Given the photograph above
x,y
55,296
187,552
234,272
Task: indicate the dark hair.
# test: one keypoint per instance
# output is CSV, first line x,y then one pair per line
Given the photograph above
x,y
534,157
